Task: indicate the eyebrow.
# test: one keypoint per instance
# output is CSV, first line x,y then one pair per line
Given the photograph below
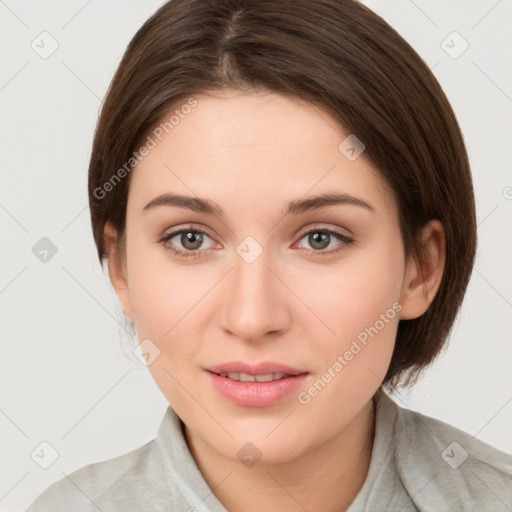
x,y
295,207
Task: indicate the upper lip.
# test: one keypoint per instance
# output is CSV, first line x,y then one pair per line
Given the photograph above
x,y
253,368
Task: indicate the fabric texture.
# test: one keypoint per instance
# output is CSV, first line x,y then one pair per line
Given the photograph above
x,y
418,464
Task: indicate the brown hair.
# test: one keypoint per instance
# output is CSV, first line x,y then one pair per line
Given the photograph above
x,y
338,55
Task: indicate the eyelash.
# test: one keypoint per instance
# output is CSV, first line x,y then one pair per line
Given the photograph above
x,y
195,254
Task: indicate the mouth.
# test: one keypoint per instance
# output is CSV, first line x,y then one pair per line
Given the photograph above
x,y
255,385
266,371
247,377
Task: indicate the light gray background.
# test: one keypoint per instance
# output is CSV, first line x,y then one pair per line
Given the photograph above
x,y
65,377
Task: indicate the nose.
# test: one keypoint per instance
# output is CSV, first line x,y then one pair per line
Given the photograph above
x,y
255,303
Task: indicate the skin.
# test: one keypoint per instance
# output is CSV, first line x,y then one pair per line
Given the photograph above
x,y
252,153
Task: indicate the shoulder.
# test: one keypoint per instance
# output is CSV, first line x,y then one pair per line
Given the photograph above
x,y
440,464
123,479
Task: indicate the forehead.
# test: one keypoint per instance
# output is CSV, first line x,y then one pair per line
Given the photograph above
x,y
251,149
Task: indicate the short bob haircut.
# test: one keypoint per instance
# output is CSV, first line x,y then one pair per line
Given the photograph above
x,y
338,55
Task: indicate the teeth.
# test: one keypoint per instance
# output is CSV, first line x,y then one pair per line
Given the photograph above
x,y
247,377
273,376
267,377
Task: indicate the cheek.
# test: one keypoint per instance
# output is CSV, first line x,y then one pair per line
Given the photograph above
x,y
164,301
161,290
347,297
358,303
354,294
163,298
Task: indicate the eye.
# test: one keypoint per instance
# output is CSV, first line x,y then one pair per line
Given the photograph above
x,y
186,242
320,240
189,242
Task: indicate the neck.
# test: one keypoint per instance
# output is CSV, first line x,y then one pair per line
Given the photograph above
x,y
326,478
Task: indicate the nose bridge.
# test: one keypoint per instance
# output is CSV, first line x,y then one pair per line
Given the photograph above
x,y
254,305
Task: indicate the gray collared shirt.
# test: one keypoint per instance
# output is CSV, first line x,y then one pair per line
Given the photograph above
x,y
418,464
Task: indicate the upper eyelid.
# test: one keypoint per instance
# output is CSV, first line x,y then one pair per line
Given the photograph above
x,y
172,233
317,226
321,227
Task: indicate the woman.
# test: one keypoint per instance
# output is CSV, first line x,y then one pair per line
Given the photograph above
x,y
283,197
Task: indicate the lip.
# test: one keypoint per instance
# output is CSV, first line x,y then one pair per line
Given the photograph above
x,y
255,394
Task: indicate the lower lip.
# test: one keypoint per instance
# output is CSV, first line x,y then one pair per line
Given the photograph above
x,y
256,394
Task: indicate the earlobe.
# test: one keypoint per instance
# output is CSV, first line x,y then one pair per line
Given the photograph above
x,y
116,261
423,277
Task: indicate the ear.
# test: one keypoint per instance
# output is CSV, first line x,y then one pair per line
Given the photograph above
x,y
423,278
116,258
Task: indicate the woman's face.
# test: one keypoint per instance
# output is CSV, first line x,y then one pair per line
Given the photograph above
x,y
263,288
